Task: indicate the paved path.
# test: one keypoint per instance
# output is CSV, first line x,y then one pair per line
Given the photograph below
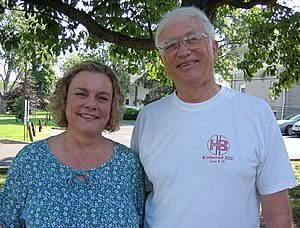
x,y
9,151
292,144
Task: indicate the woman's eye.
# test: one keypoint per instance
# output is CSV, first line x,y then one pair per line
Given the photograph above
x,y
103,98
79,94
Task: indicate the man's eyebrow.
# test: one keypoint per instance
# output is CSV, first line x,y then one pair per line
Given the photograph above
x,y
176,38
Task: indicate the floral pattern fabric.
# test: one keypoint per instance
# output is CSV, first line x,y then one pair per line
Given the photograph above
x,y
40,191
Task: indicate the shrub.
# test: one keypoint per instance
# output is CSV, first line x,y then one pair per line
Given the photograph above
x,y
130,114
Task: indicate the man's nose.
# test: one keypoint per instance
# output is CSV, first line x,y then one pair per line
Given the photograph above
x,y
183,49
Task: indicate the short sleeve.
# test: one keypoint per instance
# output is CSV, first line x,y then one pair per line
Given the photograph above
x,y
134,143
13,194
138,190
275,172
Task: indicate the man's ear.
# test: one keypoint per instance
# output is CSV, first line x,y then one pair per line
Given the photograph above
x,y
215,50
162,60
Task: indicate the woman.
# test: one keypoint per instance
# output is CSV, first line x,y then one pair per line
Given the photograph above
x,y
78,178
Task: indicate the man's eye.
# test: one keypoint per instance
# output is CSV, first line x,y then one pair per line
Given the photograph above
x,y
170,46
192,39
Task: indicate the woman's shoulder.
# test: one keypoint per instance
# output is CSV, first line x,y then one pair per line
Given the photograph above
x,y
38,145
29,156
33,149
124,150
126,158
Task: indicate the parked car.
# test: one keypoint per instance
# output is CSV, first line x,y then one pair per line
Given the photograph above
x,y
287,124
296,128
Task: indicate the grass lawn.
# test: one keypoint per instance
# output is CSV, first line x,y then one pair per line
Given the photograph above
x,y
295,194
2,179
6,116
11,129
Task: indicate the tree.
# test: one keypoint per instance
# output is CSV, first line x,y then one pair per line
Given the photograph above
x,y
130,25
26,54
99,54
15,101
20,49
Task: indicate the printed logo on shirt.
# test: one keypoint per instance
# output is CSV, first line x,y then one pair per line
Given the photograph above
x,y
218,147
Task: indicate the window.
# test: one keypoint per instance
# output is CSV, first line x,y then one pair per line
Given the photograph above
x,y
273,84
242,88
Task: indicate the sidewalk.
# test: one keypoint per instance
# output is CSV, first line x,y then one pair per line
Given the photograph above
x,y
9,151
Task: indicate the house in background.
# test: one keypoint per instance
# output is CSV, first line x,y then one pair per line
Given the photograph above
x,y
138,91
287,104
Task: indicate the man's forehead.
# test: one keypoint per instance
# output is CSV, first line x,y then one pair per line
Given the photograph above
x,y
179,28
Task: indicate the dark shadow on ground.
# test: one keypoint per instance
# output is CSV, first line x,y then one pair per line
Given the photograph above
x,y
6,161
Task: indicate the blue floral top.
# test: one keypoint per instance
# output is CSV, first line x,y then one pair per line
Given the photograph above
x,y
40,191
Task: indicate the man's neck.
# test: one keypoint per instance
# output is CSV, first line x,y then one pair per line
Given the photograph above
x,y
198,94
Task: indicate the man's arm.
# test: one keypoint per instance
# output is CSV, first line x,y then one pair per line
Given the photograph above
x,y
276,210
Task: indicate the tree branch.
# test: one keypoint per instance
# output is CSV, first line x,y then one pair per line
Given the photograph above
x,y
39,12
210,6
248,5
94,28
148,22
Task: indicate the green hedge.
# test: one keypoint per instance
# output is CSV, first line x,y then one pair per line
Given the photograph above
x,y
130,114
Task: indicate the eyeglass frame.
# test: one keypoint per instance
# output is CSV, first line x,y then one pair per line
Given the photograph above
x,y
165,45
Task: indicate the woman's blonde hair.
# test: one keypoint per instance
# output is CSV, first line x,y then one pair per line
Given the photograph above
x,y
59,97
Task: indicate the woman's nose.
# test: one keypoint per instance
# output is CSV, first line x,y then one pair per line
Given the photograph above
x,y
90,103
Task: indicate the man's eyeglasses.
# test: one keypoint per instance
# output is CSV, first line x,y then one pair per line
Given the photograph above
x,y
191,41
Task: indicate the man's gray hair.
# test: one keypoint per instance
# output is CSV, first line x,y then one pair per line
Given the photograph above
x,y
182,14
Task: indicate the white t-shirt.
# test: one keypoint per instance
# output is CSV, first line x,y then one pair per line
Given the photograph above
x,y
208,161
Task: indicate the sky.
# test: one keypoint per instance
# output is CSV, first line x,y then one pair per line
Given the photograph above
x,y
291,3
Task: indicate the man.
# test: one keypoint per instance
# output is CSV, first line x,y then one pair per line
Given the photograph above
x,y
212,154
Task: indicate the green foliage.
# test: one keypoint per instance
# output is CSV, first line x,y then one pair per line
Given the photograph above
x,y
43,77
2,180
101,55
27,48
295,204
274,41
156,93
15,98
294,194
130,114
270,31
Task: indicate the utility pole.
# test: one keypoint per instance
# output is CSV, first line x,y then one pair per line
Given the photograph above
x,y
283,103
24,101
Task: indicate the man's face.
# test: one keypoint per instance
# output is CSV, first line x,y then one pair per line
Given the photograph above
x,y
188,66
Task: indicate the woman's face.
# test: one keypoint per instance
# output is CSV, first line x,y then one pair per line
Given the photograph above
x,y
89,101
